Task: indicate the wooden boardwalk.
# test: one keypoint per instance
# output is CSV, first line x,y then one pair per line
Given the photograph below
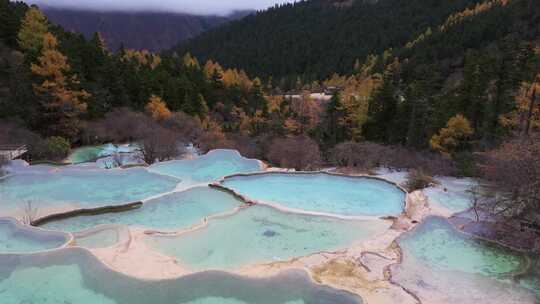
x,y
12,151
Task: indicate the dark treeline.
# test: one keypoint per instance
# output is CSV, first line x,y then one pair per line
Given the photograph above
x,y
314,39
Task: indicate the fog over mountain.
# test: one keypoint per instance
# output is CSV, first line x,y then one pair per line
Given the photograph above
x,y
152,31
197,7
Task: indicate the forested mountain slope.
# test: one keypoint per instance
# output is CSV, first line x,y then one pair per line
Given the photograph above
x,y
153,31
477,63
474,69
317,38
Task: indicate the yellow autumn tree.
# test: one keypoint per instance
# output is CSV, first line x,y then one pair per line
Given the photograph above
x,y
525,118
62,103
210,68
33,28
142,58
157,108
274,103
190,61
454,137
355,98
306,113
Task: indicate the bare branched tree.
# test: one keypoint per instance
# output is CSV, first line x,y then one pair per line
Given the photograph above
x,y
29,213
476,201
368,155
514,169
300,153
160,144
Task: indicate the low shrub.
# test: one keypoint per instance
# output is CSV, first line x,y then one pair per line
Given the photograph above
x,y
57,148
3,162
418,180
300,153
368,155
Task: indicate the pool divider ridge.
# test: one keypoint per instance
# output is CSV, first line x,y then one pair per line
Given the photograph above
x,y
69,237
86,212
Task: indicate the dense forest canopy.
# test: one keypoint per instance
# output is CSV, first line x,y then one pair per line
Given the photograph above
x,y
314,39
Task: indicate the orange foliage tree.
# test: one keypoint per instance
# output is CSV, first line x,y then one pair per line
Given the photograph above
x,y
33,28
157,108
306,113
62,104
452,138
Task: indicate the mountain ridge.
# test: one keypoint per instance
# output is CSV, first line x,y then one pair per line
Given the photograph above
x,y
319,37
153,31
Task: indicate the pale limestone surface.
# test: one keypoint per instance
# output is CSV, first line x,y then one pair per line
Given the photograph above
x,y
363,268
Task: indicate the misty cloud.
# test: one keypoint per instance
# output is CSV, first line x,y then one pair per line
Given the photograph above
x,y
200,7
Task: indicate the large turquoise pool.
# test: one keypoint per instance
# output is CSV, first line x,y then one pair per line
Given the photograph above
x,y
261,234
75,276
441,264
320,192
174,211
437,243
207,168
84,188
16,238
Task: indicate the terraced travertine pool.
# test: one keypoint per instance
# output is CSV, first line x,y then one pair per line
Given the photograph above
x,y
201,236
174,211
437,243
68,188
443,264
16,238
453,194
207,168
320,192
75,276
261,234
102,236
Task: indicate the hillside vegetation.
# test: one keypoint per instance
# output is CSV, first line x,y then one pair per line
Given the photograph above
x,y
444,87
314,39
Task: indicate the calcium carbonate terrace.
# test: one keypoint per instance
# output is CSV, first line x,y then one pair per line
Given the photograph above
x,y
17,238
218,229
321,192
75,276
443,264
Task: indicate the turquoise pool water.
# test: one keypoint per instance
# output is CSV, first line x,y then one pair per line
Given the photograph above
x,y
173,211
74,276
441,265
457,196
102,236
15,238
321,192
532,282
87,154
261,234
398,177
85,188
209,167
437,243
